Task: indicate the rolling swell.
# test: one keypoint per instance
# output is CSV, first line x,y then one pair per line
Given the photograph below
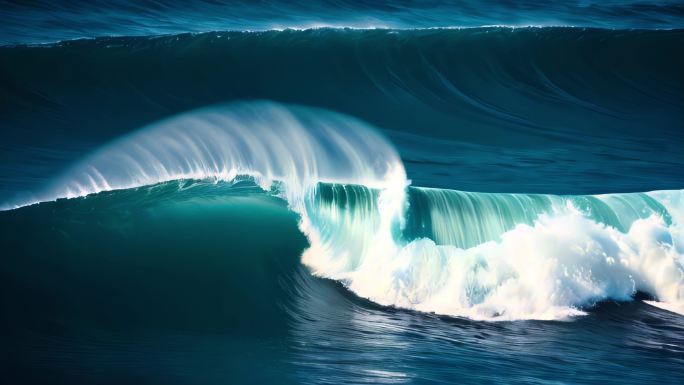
x,y
178,275
128,18
492,103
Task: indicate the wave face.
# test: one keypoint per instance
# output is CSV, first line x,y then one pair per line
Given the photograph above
x,y
199,281
130,18
543,110
477,255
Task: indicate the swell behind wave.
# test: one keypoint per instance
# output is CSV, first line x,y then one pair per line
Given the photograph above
x,y
50,21
549,110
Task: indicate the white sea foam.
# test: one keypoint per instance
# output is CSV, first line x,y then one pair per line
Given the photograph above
x,y
553,269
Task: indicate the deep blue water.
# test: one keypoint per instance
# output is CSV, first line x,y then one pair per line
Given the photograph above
x,y
239,210
49,21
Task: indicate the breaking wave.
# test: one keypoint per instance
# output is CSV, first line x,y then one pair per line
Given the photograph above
x,y
477,255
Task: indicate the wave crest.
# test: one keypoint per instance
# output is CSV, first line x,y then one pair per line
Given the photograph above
x,y
294,145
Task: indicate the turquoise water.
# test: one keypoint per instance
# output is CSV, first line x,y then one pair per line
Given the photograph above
x,y
199,283
217,193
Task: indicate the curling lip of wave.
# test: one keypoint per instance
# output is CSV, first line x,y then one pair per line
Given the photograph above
x,y
547,264
294,145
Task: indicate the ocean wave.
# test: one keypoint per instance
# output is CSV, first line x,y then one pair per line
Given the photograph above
x,y
477,255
